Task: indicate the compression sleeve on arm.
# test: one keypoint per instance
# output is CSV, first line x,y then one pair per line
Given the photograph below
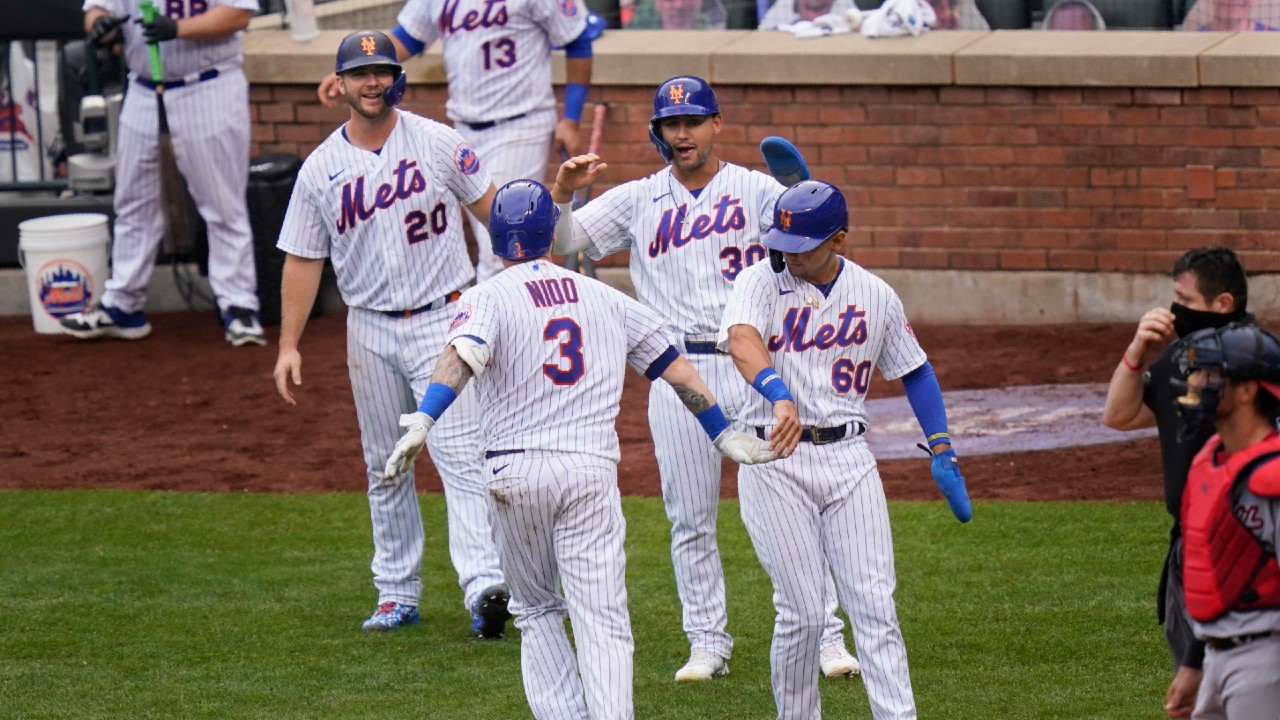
x,y
571,237
410,43
925,396
436,400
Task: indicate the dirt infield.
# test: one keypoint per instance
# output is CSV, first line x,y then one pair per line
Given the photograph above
x,y
182,410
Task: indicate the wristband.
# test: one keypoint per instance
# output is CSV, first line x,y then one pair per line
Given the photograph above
x,y
575,96
436,400
939,439
770,385
1124,358
713,421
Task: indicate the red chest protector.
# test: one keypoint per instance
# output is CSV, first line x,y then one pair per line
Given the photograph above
x,y
1225,566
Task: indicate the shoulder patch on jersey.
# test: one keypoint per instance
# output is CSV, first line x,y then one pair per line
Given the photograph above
x,y
909,329
569,8
466,159
1265,481
463,316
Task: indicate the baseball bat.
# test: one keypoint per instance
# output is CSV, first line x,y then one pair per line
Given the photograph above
x,y
581,262
176,239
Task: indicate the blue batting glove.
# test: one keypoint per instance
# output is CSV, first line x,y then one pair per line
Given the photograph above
x,y
946,472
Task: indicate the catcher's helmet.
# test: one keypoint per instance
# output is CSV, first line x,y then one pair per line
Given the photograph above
x,y
522,222
682,95
370,47
1239,351
805,215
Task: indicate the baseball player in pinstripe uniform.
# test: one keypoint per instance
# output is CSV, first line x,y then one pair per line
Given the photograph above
x,y
807,339
692,227
497,56
207,100
382,198
548,349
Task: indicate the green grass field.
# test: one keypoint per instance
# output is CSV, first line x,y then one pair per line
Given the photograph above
x,y
172,605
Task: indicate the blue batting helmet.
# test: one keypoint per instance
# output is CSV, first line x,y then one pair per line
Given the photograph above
x,y
806,214
370,47
522,222
682,95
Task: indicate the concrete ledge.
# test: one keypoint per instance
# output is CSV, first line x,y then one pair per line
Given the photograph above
x,y
1075,59
1026,58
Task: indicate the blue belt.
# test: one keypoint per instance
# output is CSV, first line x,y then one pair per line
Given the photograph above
x,y
490,123
498,453
192,79
822,436
701,347
433,305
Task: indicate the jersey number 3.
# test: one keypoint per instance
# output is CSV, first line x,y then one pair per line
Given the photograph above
x,y
569,334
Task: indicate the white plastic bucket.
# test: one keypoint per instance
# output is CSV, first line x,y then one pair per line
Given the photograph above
x,y
65,257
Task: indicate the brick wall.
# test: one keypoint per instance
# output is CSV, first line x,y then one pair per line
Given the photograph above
x,y
969,178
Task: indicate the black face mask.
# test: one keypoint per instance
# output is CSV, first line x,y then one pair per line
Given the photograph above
x,y
1187,321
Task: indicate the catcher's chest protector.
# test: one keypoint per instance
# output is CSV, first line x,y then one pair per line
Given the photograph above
x,y
1225,566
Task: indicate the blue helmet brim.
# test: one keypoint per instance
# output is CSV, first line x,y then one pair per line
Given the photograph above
x,y
776,239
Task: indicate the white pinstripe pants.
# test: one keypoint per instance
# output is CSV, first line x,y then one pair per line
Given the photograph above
x,y
825,505
690,468
558,521
390,360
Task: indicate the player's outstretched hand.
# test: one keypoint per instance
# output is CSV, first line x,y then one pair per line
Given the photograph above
x,y
946,473
417,426
786,432
288,367
578,172
744,448
328,91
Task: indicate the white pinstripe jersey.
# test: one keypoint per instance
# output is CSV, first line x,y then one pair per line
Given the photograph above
x,y
686,252
179,57
391,220
824,348
497,53
559,341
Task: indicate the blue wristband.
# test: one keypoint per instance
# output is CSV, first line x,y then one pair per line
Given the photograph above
x,y
713,421
437,399
770,385
575,96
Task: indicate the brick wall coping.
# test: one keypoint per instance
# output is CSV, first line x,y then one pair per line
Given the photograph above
x,y
1022,58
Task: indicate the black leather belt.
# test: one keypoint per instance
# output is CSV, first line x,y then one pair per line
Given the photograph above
x,y
433,305
1232,643
490,123
701,347
822,436
191,79
499,453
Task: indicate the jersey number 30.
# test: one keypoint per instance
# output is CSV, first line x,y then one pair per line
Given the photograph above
x,y
569,334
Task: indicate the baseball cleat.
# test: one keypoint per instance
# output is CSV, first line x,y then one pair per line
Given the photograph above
x,y
243,327
838,662
489,615
101,321
389,616
702,665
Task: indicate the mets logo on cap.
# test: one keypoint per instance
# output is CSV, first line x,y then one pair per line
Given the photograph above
x,y
368,44
464,314
676,93
784,217
466,159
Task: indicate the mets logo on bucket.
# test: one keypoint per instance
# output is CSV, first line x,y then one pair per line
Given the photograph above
x,y
65,287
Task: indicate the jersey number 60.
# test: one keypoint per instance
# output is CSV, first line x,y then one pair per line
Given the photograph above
x,y
846,376
569,334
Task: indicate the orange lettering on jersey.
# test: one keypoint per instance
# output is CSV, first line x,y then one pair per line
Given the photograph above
x,y
368,45
784,217
677,94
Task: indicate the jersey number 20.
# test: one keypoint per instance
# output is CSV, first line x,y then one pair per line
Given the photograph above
x,y
569,334
416,223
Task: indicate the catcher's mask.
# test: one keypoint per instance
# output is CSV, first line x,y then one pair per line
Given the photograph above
x,y
681,95
1210,357
370,47
523,221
